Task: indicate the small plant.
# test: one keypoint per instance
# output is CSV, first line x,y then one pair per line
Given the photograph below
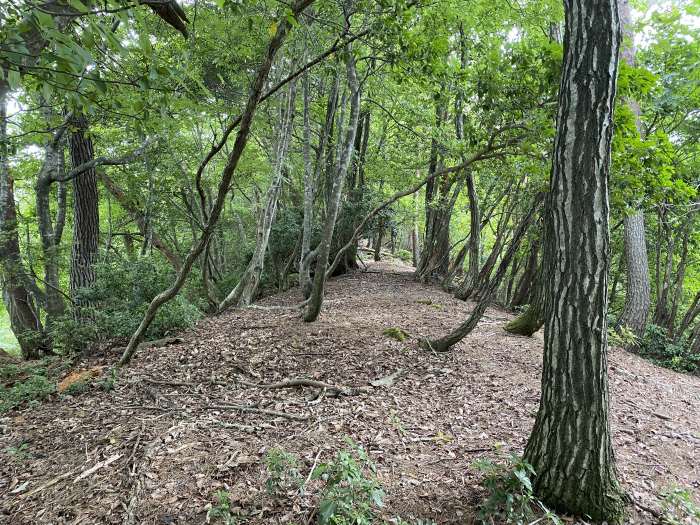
x,y
396,333
352,493
678,508
425,301
221,512
20,452
623,337
109,381
30,391
510,497
283,472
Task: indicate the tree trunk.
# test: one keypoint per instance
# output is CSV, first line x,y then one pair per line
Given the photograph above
x,y
86,219
486,291
310,179
140,219
638,294
523,291
323,250
245,123
679,280
661,313
570,446
379,239
244,292
21,308
50,233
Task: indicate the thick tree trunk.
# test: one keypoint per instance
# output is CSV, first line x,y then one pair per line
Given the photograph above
x,y
570,446
244,292
638,294
86,218
22,310
323,250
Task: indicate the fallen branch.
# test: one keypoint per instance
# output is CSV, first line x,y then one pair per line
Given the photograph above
x,y
97,467
248,408
331,390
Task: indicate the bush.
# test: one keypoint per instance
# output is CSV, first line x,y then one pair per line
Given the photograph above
x,y
352,493
676,355
30,389
118,299
510,498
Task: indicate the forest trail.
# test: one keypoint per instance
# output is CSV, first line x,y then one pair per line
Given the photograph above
x,y
156,447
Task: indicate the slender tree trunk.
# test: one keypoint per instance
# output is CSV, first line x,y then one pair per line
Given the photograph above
x,y
86,219
661,312
679,280
49,233
310,178
570,446
523,291
139,217
691,313
244,292
486,291
379,239
638,294
323,250
23,312
246,121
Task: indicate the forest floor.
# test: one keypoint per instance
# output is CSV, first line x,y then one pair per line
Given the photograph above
x,y
158,445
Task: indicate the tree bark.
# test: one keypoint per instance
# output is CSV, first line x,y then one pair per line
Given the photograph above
x,y
570,446
244,292
21,307
86,219
638,294
316,298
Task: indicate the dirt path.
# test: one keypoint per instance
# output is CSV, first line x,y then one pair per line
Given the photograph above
x,y
156,447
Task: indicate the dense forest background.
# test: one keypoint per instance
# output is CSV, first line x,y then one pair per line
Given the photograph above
x,y
463,94
164,162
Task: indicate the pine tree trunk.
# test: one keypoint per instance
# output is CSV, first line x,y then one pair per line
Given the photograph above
x,y
86,219
570,446
638,294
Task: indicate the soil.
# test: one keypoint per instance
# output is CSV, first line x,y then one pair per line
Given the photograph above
x,y
156,447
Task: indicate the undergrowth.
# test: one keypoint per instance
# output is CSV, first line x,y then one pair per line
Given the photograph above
x,y
28,383
510,498
678,508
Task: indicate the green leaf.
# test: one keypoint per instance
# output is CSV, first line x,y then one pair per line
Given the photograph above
x,y
326,511
13,79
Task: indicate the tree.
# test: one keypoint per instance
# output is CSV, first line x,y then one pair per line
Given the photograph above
x,y
570,446
637,299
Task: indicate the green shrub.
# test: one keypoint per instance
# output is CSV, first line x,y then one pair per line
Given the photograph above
x,y
118,299
659,348
31,390
352,493
404,255
283,472
510,498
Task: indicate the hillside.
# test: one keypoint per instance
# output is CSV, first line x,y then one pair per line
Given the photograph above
x,y
156,447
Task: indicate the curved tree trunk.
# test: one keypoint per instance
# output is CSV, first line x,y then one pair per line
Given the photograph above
x,y
570,446
23,312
